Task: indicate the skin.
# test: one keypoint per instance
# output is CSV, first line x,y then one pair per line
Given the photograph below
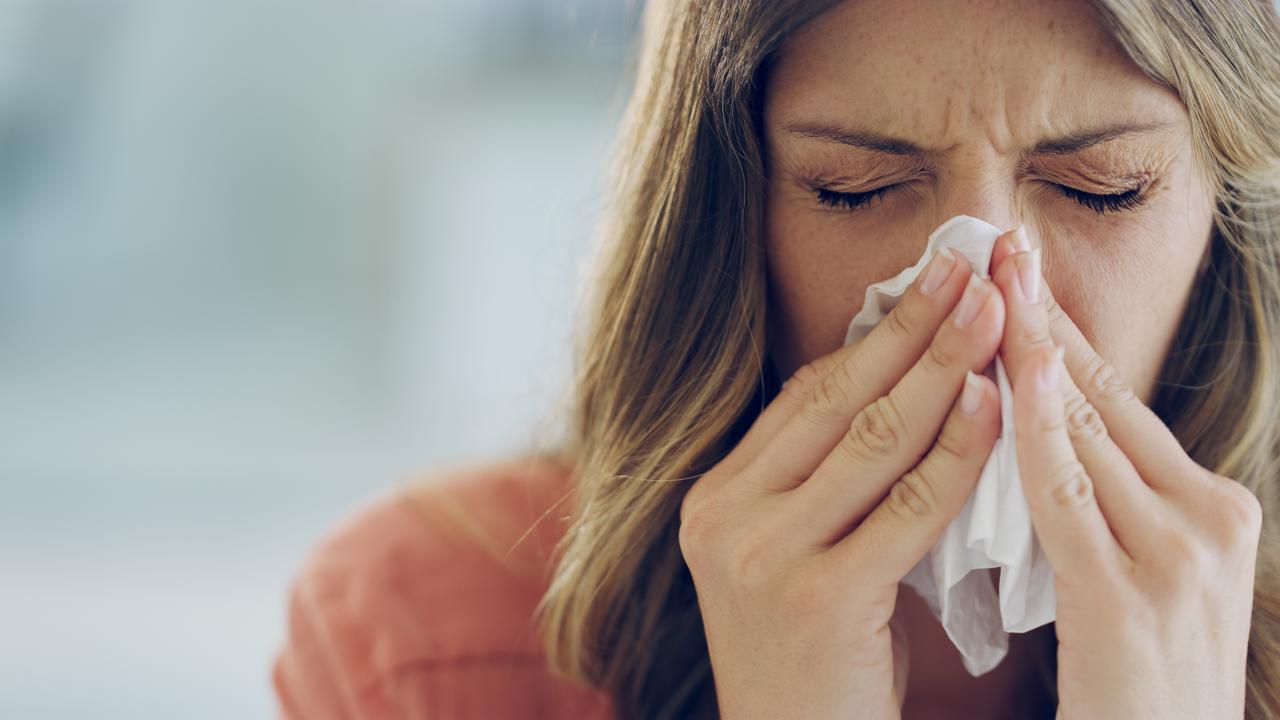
x,y
1024,75
980,85
798,538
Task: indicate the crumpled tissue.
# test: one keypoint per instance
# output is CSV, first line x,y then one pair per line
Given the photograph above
x,y
994,527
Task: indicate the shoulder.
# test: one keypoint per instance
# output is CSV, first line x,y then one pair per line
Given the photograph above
x,y
421,602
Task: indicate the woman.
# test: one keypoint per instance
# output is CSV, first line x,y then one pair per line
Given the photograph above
x,y
727,541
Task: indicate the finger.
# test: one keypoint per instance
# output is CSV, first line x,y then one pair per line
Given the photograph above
x,y
795,391
1139,518
1003,248
887,437
1152,447
864,371
911,518
1059,493
1019,279
1130,506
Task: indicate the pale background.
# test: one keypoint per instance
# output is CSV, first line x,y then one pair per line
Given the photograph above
x,y
260,261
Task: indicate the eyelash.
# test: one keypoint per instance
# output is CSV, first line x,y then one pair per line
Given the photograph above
x,y
849,201
1127,200
1101,204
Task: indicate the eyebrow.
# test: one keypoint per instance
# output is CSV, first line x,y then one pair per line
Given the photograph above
x,y
877,142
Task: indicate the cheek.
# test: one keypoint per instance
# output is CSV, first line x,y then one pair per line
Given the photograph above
x,y
1116,312
817,278
1127,289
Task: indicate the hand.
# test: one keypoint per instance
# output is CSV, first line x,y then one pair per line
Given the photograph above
x,y
1153,555
798,538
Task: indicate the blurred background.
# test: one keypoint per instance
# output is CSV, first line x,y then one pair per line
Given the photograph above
x,y
259,262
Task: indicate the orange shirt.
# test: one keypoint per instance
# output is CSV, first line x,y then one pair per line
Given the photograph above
x,y
420,605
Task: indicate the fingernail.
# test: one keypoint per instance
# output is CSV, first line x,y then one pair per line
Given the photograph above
x,y
1029,274
1020,242
971,396
937,272
1052,369
974,296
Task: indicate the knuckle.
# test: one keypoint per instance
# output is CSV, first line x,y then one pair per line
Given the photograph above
x,y
1185,560
699,529
834,390
1240,512
1034,335
697,494
901,322
952,442
689,503
693,536
1084,424
941,354
802,380
1054,310
878,430
1068,485
913,497
1103,381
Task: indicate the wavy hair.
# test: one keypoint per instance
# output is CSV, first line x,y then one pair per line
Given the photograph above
x,y
671,365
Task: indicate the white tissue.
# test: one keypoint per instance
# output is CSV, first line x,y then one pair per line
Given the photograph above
x,y
994,527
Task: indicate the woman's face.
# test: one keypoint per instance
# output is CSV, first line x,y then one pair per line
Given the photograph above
x,y
1009,112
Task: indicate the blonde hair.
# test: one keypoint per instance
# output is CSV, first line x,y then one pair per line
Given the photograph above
x,y
671,362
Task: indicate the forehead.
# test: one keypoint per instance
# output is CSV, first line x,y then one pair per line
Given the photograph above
x,y
945,70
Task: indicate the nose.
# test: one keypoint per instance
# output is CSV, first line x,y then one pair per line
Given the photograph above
x,y
979,186
985,197
984,206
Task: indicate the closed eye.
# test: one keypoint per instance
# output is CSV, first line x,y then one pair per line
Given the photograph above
x,y
849,201
1102,204
1099,203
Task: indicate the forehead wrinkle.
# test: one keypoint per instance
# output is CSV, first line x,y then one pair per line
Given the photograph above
x,y
946,117
941,103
